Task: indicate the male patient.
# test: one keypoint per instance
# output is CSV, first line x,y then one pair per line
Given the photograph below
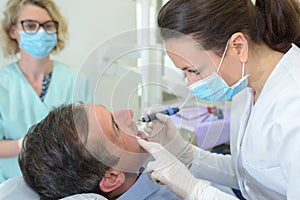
x,y
86,149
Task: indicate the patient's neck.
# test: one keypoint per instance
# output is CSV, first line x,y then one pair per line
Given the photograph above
x,y
131,178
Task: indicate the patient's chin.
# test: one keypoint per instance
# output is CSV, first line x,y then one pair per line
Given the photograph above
x,y
131,162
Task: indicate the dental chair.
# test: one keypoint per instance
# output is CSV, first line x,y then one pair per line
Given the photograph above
x,y
17,189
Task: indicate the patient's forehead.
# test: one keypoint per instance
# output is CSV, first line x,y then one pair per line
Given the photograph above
x,y
100,123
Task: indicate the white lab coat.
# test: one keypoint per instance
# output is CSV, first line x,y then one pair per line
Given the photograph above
x,y
265,139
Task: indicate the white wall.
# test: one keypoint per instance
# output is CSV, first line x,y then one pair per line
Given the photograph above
x,y
91,22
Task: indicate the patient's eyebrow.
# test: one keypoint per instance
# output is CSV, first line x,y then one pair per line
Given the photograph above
x,y
185,68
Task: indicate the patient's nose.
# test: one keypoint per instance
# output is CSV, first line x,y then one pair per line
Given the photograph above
x,y
124,116
130,112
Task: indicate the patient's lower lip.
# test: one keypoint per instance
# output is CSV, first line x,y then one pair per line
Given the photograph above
x,y
142,135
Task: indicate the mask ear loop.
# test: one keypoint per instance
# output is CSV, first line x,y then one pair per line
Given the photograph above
x,y
223,56
243,70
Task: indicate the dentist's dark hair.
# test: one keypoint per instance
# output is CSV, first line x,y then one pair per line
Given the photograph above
x,y
212,22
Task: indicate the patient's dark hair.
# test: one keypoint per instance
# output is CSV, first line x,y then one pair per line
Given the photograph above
x,y
55,160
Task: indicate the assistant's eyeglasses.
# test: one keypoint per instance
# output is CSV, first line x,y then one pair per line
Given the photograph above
x,y
32,27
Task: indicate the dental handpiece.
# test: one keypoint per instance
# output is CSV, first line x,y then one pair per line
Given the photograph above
x,y
168,111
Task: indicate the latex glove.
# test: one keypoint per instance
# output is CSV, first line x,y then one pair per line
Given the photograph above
x,y
164,132
169,171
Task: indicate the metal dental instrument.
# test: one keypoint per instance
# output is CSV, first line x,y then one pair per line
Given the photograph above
x,y
168,111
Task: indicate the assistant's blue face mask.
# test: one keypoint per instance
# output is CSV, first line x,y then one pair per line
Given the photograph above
x,y
38,45
214,88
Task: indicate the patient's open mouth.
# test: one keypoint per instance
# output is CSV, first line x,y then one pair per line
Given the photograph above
x,y
142,135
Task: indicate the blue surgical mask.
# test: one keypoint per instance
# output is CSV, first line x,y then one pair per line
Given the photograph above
x,y
38,45
214,88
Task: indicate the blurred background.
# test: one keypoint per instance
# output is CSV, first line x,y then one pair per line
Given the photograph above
x,y
105,43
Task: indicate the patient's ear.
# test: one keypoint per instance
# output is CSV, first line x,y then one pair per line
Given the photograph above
x,y
111,180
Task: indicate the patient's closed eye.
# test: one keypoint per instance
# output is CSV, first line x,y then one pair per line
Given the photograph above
x,y
116,126
194,71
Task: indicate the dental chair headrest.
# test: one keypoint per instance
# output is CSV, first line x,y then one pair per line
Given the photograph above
x,y
16,189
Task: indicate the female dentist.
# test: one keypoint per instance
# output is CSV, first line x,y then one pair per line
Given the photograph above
x,y
32,85
254,46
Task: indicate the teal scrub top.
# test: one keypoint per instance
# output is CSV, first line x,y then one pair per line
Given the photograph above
x,y
21,106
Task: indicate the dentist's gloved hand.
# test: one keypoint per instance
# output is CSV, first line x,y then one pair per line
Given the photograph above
x,y
169,171
163,131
